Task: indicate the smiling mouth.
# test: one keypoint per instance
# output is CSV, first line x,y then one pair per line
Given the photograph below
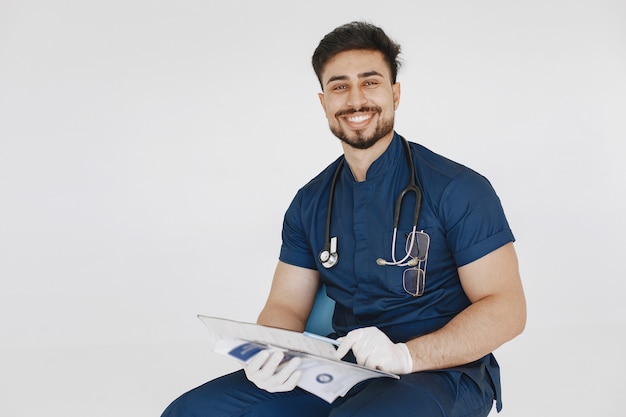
x,y
358,116
359,119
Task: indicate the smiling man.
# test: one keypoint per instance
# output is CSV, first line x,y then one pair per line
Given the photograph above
x,y
354,102
434,327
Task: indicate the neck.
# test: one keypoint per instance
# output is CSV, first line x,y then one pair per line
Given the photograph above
x,y
359,160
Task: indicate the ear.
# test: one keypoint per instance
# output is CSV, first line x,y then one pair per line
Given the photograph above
x,y
321,97
396,95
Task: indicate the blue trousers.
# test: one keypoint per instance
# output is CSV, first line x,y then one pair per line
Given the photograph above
x,y
428,394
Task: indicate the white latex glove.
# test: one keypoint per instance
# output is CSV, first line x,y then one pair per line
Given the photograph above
x,y
372,348
263,370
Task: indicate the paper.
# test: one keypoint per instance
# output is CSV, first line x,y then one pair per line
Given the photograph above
x,y
322,374
286,339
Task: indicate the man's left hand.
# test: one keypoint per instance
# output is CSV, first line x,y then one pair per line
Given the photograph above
x,y
372,348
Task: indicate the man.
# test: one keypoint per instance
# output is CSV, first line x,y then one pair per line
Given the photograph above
x,y
434,326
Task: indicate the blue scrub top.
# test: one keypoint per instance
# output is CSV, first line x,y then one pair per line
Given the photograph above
x,y
460,212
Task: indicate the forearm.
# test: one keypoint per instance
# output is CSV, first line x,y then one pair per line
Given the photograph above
x,y
291,298
282,317
476,331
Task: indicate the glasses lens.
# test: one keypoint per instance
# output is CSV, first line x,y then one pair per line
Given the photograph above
x,y
413,281
419,249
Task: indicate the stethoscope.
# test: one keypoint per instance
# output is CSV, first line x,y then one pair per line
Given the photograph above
x,y
329,256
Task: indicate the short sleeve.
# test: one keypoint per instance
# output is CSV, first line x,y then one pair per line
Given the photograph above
x,y
295,248
474,219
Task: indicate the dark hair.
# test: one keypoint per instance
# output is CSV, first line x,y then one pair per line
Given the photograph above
x,y
356,36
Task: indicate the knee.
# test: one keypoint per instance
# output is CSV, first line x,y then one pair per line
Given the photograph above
x,y
187,405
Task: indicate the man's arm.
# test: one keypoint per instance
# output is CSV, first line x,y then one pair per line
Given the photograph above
x,y
497,314
291,297
288,306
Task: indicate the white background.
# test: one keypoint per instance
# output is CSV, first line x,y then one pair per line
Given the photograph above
x,y
148,151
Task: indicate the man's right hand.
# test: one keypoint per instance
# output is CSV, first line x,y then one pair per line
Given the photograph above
x,y
263,370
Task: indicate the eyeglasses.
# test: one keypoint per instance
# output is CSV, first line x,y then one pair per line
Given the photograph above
x,y
414,279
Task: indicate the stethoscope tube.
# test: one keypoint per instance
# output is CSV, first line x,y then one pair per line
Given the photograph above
x,y
329,256
410,188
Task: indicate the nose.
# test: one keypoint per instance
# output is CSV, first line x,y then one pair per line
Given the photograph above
x,y
357,98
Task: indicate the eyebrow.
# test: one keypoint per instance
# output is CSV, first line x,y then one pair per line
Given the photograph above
x,y
361,75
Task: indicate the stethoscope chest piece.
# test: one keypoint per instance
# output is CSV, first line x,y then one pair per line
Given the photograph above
x,y
329,256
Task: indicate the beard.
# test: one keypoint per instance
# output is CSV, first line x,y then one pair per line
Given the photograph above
x,y
360,139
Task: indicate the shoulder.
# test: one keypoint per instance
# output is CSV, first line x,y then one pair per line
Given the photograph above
x,y
320,183
441,175
464,203
451,189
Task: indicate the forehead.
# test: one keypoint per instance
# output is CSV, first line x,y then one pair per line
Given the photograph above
x,y
349,64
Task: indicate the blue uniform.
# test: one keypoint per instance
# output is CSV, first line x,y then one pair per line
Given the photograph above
x,y
463,217
460,212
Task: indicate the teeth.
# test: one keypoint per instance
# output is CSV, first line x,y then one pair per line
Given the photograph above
x,y
359,119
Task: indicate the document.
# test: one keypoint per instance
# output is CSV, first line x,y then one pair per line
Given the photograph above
x,y
322,374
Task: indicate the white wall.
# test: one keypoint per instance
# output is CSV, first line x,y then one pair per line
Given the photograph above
x,y
148,150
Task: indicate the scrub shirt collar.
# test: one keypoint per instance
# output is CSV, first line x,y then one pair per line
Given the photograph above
x,y
385,162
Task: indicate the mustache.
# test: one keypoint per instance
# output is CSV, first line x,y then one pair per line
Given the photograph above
x,y
368,109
